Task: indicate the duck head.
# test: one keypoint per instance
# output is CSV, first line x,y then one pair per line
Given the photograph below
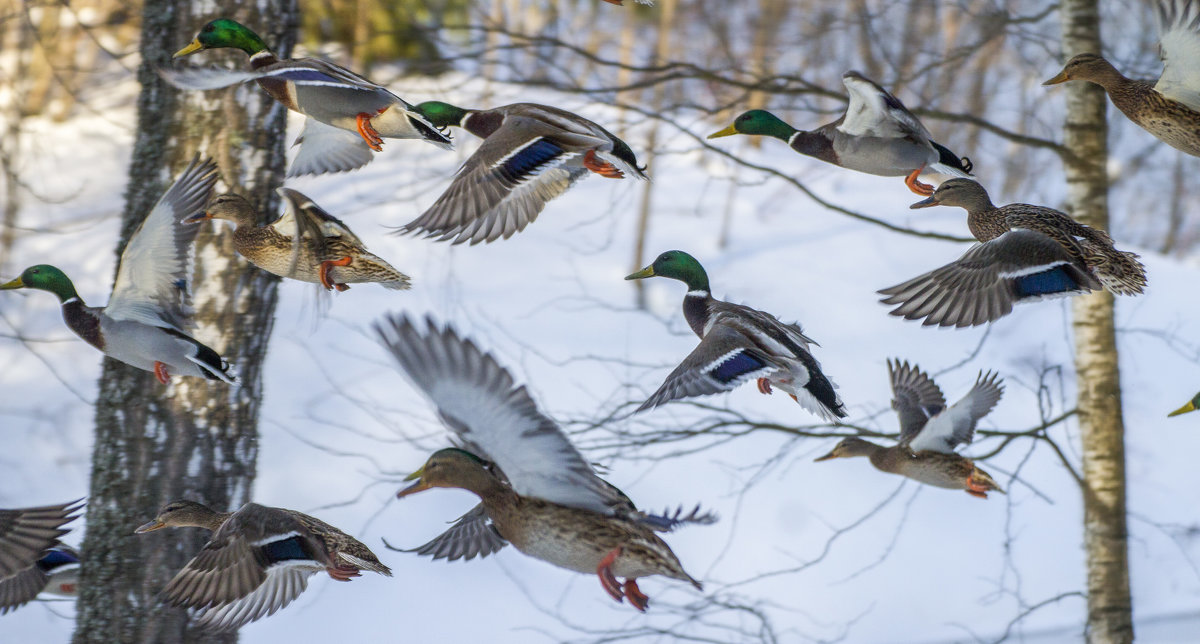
x,y
44,277
849,447
675,264
758,122
224,32
450,467
184,514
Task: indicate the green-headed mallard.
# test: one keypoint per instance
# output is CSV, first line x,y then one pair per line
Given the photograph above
x,y
1191,405
257,561
55,573
1028,253
531,154
32,559
929,432
348,115
305,243
1170,108
877,135
144,321
536,490
739,344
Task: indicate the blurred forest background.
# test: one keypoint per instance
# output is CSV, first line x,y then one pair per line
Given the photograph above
x,y
971,69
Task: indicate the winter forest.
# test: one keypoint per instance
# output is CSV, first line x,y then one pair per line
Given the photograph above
x,y
383,323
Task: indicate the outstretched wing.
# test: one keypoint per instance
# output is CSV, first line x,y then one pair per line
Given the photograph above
x,y
472,535
507,182
722,361
478,400
956,425
27,533
1179,46
915,398
872,111
989,278
152,282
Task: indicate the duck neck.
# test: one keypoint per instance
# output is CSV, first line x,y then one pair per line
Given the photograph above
x,y
695,303
984,219
481,124
814,144
202,516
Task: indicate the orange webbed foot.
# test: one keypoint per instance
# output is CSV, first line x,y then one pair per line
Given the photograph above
x,y
607,579
368,133
975,488
637,598
343,574
764,386
602,168
160,372
916,186
323,273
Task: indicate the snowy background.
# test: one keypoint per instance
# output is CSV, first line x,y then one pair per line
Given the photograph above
x,y
825,552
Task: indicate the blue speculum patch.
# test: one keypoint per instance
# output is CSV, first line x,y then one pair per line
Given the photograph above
x,y
738,365
1055,280
530,158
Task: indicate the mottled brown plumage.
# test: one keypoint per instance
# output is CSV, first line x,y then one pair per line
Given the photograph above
x,y
1169,108
325,244
258,560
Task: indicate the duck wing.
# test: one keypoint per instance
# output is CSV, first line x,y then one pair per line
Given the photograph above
x,y
915,397
507,182
472,535
257,562
724,360
27,533
1179,46
983,284
956,425
872,111
478,400
155,271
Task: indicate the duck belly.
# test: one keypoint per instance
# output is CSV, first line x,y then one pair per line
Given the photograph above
x,y
884,157
340,106
577,543
141,345
944,475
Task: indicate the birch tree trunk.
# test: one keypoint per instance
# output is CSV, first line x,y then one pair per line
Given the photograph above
x,y
195,438
1101,425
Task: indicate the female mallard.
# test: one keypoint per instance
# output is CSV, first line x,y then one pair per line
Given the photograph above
x,y
258,560
306,243
143,323
1170,108
738,344
348,115
929,432
537,492
877,135
1028,253
55,573
531,154
1192,405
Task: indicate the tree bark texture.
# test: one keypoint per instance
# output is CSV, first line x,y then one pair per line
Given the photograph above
x,y
1102,428
195,438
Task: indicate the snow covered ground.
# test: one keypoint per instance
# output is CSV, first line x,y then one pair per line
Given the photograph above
x,y
341,427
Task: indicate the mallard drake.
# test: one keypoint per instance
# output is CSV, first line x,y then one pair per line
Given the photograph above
x,y
1028,253
55,573
258,560
1191,405
149,308
32,559
330,254
739,344
348,115
536,490
1170,108
876,135
929,432
531,154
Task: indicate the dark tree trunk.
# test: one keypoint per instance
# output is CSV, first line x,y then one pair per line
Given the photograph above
x,y
1101,425
196,438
